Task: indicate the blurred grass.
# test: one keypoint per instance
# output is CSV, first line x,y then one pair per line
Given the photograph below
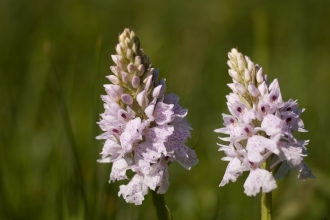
x,y
189,42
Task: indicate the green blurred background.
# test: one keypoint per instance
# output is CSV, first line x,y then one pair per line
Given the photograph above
x,y
189,42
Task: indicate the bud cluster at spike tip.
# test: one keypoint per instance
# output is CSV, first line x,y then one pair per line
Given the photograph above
x,y
144,128
260,127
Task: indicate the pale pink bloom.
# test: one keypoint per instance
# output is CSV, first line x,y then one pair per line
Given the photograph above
x,y
144,129
259,128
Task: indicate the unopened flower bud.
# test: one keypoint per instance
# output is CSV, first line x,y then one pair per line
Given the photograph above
x,y
131,68
124,77
122,38
262,88
128,42
123,46
260,75
129,54
240,88
156,92
135,82
126,32
247,75
140,70
114,79
231,64
232,87
118,89
135,48
118,50
142,99
127,99
234,75
114,69
149,71
132,34
234,53
118,60
231,56
253,90
137,61
113,91
113,96
241,66
148,82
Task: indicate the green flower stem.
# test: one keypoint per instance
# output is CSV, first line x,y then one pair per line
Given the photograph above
x,y
266,198
266,206
163,212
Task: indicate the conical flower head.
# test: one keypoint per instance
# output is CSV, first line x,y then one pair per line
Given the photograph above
x,y
260,129
133,72
144,128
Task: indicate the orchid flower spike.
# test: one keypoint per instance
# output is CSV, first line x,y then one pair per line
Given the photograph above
x,y
144,128
260,128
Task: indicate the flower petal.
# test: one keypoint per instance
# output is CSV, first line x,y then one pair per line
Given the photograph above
x,y
257,145
134,191
229,175
259,178
163,113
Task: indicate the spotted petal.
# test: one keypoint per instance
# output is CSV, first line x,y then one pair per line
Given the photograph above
x,y
259,179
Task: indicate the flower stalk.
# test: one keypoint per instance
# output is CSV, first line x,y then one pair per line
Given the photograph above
x,y
266,199
163,212
266,206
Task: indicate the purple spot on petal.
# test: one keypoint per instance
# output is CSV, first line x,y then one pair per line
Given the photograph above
x,y
288,120
274,98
